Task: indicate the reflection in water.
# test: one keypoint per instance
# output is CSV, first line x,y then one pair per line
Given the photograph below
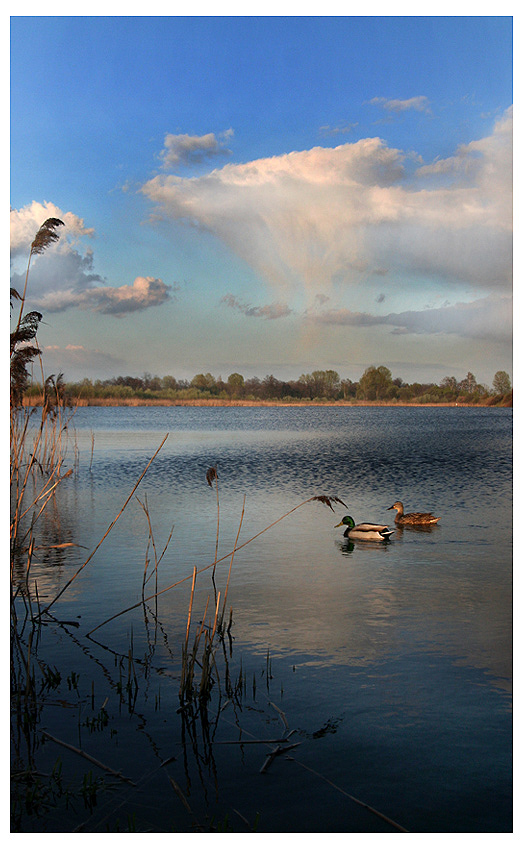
x,y
347,546
410,637
277,457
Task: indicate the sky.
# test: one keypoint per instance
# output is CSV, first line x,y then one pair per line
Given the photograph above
x,y
265,194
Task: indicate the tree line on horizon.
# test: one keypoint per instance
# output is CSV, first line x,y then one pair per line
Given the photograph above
x,y
375,384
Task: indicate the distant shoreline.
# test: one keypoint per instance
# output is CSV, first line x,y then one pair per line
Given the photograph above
x,y
208,402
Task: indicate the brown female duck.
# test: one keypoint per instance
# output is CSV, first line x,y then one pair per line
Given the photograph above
x,y
412,518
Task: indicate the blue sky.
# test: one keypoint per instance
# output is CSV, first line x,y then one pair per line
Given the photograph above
x,y
268,195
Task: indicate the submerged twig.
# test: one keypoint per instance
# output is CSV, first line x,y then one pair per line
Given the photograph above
x,y
89,758
276,752
354,799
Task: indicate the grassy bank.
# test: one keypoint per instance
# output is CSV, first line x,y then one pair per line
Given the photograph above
x,y
491,401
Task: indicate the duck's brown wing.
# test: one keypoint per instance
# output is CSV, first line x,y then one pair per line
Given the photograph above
x,y
420,518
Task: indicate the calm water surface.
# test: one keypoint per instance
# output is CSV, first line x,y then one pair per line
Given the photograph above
x,y
391,663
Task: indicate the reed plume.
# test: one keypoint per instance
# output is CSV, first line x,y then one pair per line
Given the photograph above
x,y
23,346
45,236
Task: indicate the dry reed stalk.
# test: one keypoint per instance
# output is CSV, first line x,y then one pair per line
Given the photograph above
x,y
30,551
151,540
39,456
208,657
147,561
111,526
16,465
17,443
202,624
326,500
45,494
212,476
207,663
187,669
282,715
215,617
230,565
194,573
181,795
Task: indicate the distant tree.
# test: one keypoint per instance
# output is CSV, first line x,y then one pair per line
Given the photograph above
x,y
349,388
235,384
134,383
375,383
203,382
252,387
468,384
154,383
501,383
169,383
331,383
305,386
405,393
449,383
271,387
84,389
320,384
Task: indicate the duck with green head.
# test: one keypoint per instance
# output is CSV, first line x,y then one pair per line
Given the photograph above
x,y
365,530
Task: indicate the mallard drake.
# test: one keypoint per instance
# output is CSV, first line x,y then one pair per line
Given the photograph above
x,y
364,530
415,518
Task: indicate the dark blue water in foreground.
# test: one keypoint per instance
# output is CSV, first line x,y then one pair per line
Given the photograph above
x,y
391,664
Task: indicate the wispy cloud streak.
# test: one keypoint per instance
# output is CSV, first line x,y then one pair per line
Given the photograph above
x,y
276,310
486,318
418,104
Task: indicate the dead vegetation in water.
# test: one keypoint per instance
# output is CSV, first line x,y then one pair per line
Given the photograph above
x,y
39,450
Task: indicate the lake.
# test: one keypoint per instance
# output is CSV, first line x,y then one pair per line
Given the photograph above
x,y
388,666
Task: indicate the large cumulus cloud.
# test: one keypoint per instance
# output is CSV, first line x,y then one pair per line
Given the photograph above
x,y
309,219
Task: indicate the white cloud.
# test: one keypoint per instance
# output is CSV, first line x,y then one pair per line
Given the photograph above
x,y
309,219
63,276
295,218
25,223
145,292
